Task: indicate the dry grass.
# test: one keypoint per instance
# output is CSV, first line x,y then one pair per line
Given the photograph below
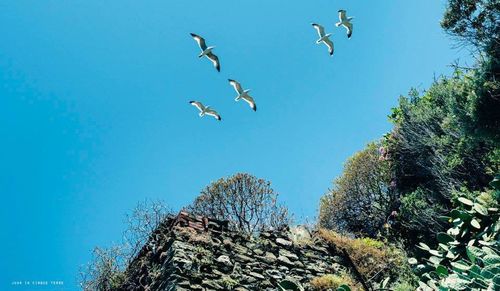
x,y
194,236
332,282
368,255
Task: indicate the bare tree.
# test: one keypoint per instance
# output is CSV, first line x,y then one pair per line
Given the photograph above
x,y
249,203
106,271
141,223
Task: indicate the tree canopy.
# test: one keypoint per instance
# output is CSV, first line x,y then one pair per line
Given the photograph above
x,y
249,203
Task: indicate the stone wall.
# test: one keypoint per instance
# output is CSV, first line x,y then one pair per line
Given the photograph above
x,y
196,253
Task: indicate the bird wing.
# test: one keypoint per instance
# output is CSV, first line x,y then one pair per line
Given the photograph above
x,y
215,60
236,86
342,16
348,26
198,105
213,113
320,29
329,44
250,102
200,40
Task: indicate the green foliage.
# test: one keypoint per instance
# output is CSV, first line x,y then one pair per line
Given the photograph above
x,y
474,22
418,215
228,283
437,146
361,198
288,285
467,255
340,282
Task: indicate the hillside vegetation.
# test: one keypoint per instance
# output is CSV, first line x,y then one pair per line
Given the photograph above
x,y
417,208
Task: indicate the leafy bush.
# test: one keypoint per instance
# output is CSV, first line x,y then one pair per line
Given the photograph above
x,y
361,198
474,22
435,149
468,254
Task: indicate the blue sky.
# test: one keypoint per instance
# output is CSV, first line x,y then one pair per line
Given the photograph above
x,y
94,113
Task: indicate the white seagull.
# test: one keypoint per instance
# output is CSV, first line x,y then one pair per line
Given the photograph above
x,y
243,94
345,22
323,38
206,51
205,110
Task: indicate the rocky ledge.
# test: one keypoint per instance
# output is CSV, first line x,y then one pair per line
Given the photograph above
x,y
197,253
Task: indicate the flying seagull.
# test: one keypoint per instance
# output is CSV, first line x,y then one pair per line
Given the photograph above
x,y
345,22
205,110
324,38
243,94
207,51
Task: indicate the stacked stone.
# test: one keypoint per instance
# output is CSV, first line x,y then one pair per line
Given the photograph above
x,y
187,258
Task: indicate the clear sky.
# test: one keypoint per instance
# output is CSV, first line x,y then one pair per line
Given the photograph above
x,y
94,113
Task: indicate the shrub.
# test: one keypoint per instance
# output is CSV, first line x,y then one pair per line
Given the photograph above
x,y
468,254
333,282
434,149
249,203
105,272
371,258
361,198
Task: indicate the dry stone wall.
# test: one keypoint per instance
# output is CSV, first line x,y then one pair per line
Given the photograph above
x,y
196,253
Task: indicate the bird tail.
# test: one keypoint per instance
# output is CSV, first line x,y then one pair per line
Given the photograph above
x,y
338,24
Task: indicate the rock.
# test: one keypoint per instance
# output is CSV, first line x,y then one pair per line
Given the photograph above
x,y
232,261
265,234
242,258
285,261
315,268
299,234
224,260
258,252
247,280
257,275
184,283
212,284
283,269
219,273
283,242
269,258
298,264
275,274
240,249
288,254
